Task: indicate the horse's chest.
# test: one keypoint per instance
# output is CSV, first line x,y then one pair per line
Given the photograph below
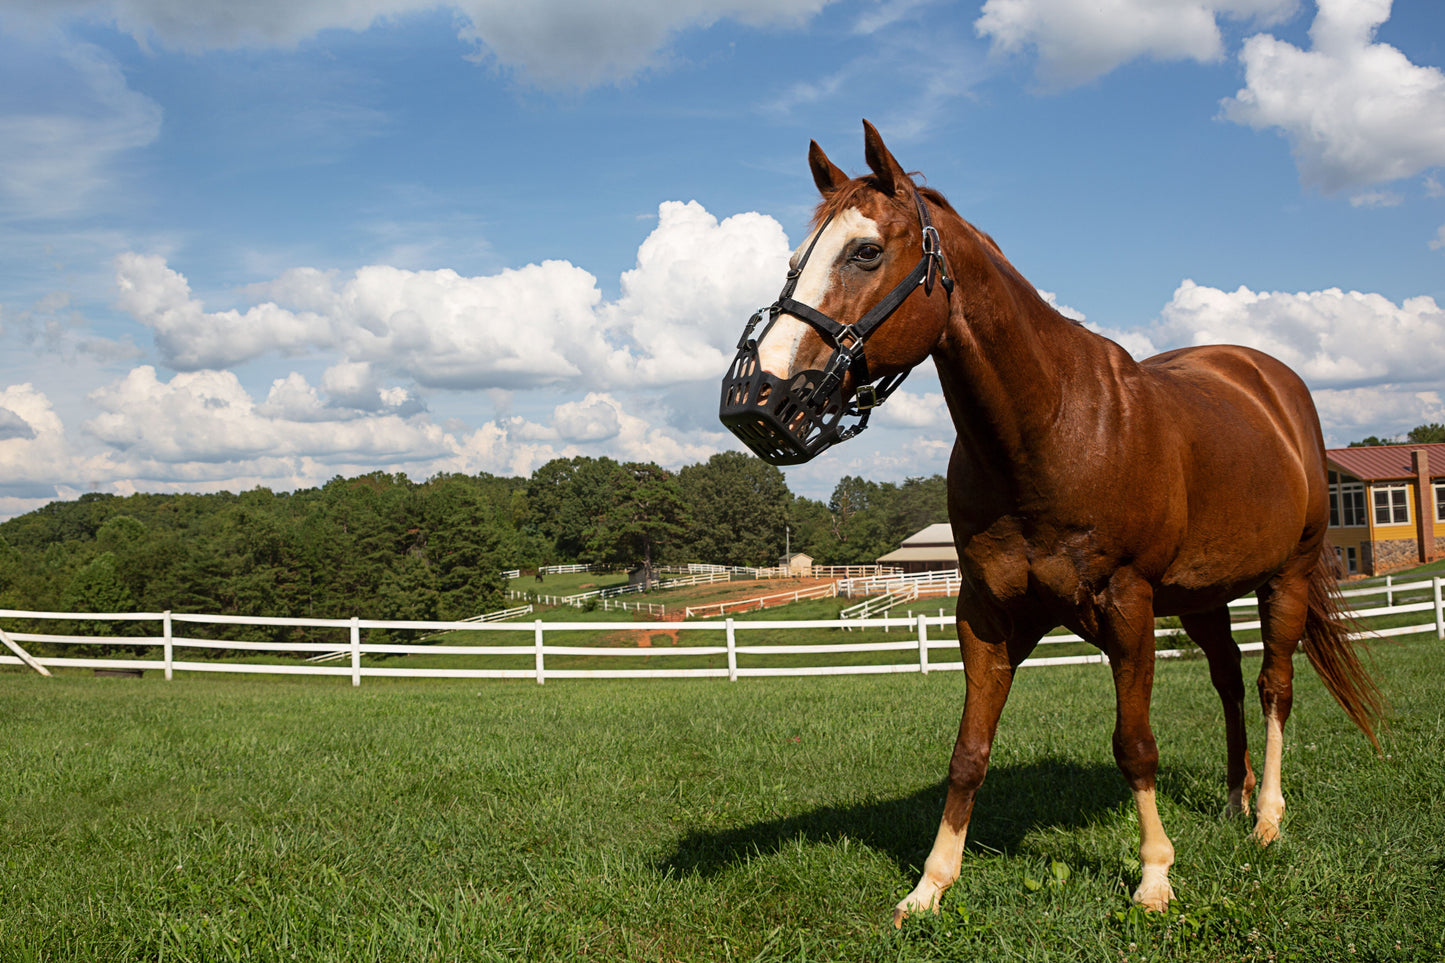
x,y
1043,578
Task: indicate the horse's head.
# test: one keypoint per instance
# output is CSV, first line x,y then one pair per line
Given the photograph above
x,y
866,299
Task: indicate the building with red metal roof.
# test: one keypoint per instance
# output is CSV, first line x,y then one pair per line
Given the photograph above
x,y
1387,506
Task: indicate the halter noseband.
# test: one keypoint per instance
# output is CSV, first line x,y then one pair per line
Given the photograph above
x,y
788,422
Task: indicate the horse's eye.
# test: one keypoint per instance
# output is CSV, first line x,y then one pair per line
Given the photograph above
x,y
868,253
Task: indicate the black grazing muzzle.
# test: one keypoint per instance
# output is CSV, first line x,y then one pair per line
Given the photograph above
x,y
787,421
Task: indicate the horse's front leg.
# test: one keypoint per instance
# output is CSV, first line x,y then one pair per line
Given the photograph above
x,y
989,670
1127,624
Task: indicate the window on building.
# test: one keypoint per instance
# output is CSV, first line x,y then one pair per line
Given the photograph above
x,y
1440,501
1352,562
1392,505
1347,504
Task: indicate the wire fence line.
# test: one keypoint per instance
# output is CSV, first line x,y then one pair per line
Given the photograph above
x,y
1415,598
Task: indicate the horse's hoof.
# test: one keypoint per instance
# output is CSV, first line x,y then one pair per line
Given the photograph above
x,y
915,902
1154,897
1265,832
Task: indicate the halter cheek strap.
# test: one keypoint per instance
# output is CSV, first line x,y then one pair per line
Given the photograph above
x,y
787,421
847,340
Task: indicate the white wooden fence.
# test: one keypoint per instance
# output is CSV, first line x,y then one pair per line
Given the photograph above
x,y
761,602
855,571
500,615
539,649
919,584
879,603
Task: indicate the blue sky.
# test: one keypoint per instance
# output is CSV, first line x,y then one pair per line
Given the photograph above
x,y
265,244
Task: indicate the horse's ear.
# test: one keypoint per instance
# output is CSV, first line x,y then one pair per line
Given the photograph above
x,y
825,173
892,178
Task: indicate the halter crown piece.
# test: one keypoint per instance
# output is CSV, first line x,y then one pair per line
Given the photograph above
x,y
788,422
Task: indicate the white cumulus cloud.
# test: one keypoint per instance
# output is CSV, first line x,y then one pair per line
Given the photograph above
x,y
1333,338
209,417
696,282
905,409
1374,365
1349,414
1078,40
1356,112
678,317
35,453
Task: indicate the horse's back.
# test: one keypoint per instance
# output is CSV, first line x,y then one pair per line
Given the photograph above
x,y
1254,462
1241,396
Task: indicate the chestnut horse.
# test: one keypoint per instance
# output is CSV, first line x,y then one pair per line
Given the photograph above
x,y
1085,489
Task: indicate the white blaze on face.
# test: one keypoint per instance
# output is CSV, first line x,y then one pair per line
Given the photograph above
x,y
778,351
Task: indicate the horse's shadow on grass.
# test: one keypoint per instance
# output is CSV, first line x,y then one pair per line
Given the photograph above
x,y
1013,801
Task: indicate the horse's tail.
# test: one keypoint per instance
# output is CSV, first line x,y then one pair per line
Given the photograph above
x,y
1331,651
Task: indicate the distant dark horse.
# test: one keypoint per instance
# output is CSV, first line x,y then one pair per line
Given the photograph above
x,y
1085,489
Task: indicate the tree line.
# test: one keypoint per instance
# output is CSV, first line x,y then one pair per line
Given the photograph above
x,y
1433,433
386,547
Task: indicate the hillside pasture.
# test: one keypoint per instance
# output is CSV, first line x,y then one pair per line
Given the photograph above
x,y
291,818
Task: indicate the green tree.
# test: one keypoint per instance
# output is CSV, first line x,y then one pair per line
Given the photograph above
x,y
645,516
97,588
739,507
569,501
462,539
1431,434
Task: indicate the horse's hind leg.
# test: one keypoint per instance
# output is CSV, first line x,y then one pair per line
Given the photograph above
x,y
1210,630
1283,608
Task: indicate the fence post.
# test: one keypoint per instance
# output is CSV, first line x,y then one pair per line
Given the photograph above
x,y
1389,592
923,643
732,653
1439,609
355,651
168,646
541,675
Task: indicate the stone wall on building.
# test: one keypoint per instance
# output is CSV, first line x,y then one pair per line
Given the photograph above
x,y
1392,554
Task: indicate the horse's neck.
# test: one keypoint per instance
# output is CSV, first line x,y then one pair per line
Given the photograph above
x,y
1009,362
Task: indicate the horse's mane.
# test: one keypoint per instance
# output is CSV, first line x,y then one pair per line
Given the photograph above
x,y
847,196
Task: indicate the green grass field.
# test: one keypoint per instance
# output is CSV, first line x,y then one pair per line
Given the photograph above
x,y
283,818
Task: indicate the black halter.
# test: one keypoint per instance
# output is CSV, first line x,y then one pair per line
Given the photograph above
x,y
789,422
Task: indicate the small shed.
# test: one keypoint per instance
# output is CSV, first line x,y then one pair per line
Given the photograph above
x,y
931,549
798,563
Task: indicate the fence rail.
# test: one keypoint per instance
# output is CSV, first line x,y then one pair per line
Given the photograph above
x,y
922,584
879,603
761,602
539,649
855,571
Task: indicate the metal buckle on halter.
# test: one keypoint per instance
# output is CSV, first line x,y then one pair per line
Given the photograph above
x,y
933,254
866,397
752,323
